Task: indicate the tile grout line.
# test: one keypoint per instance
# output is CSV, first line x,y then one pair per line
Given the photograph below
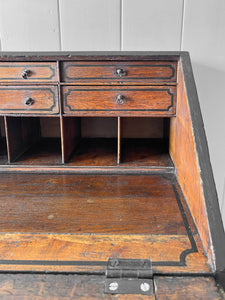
x,y
59,26
182,25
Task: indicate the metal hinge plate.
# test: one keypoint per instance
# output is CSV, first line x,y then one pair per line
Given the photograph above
x,y
129,276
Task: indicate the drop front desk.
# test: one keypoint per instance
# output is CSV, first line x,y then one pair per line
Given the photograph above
x,y
105,172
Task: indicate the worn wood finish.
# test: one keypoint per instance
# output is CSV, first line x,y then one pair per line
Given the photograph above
x,y
186,164
95,229
111,204
13,99
44,152
37,72
142,101
21,134
132,73
94,152
64,287
145,152
188,288
58,287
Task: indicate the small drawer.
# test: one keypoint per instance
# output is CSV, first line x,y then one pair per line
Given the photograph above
x,y
144,72
123,101
24,72
29,100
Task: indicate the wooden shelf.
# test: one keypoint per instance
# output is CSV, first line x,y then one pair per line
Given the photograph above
x,y
94,152
47,151
145,152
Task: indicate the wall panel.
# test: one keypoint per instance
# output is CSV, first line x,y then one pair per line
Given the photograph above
x,y
203,36
27,25
151,24
88,25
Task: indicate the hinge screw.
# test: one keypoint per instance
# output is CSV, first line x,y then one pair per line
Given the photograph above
x,y
114,263
145,287
113,286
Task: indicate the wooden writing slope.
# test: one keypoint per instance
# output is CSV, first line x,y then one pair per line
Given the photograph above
x,y
105,171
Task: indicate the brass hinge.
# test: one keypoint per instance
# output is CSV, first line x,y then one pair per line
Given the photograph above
x,y
129,276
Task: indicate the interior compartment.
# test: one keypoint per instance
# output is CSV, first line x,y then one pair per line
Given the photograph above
x,y
144,142
34,140
3,146
92,141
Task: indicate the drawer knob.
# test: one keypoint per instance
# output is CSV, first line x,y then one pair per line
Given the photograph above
x,y
29,101
121,72
120,99
26,73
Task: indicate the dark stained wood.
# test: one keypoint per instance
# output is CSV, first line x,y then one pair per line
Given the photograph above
x,y
94,152
70,136
106,73
71,286
13,100
187,288
37,72
102,101
21,134
47,151
58,287
111,204
186,163
102,216
118,140
145,152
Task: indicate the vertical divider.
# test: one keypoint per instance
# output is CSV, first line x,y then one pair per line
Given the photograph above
x,y
118,140
70,135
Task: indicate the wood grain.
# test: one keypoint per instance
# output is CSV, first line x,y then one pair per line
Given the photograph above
x,y
13,100
186,164
71,286
21,134
38,72
105,73
137,100
187,288
89,204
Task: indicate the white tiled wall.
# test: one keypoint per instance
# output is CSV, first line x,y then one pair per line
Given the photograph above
x,y
197,26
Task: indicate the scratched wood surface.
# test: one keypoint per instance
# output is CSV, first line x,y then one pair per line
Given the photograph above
x,y
102,216
65,287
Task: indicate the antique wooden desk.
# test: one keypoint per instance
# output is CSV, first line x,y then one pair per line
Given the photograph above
x,y
105,171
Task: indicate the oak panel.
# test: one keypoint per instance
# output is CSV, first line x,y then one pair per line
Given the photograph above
x,y
29,100
27,71
132,73
144,101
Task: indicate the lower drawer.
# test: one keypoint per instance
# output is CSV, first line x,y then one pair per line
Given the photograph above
x,y
29,100
122,101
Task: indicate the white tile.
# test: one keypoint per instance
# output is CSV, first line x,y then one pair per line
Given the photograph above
x,y
204,38
151,24
88,25
29,25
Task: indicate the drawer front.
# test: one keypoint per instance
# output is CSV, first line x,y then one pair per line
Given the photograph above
x,y
28,72
29,100
123,72
122,101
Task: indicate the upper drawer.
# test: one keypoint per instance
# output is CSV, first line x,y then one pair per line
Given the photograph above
x,y
26,71
29,100
119,101
144,72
